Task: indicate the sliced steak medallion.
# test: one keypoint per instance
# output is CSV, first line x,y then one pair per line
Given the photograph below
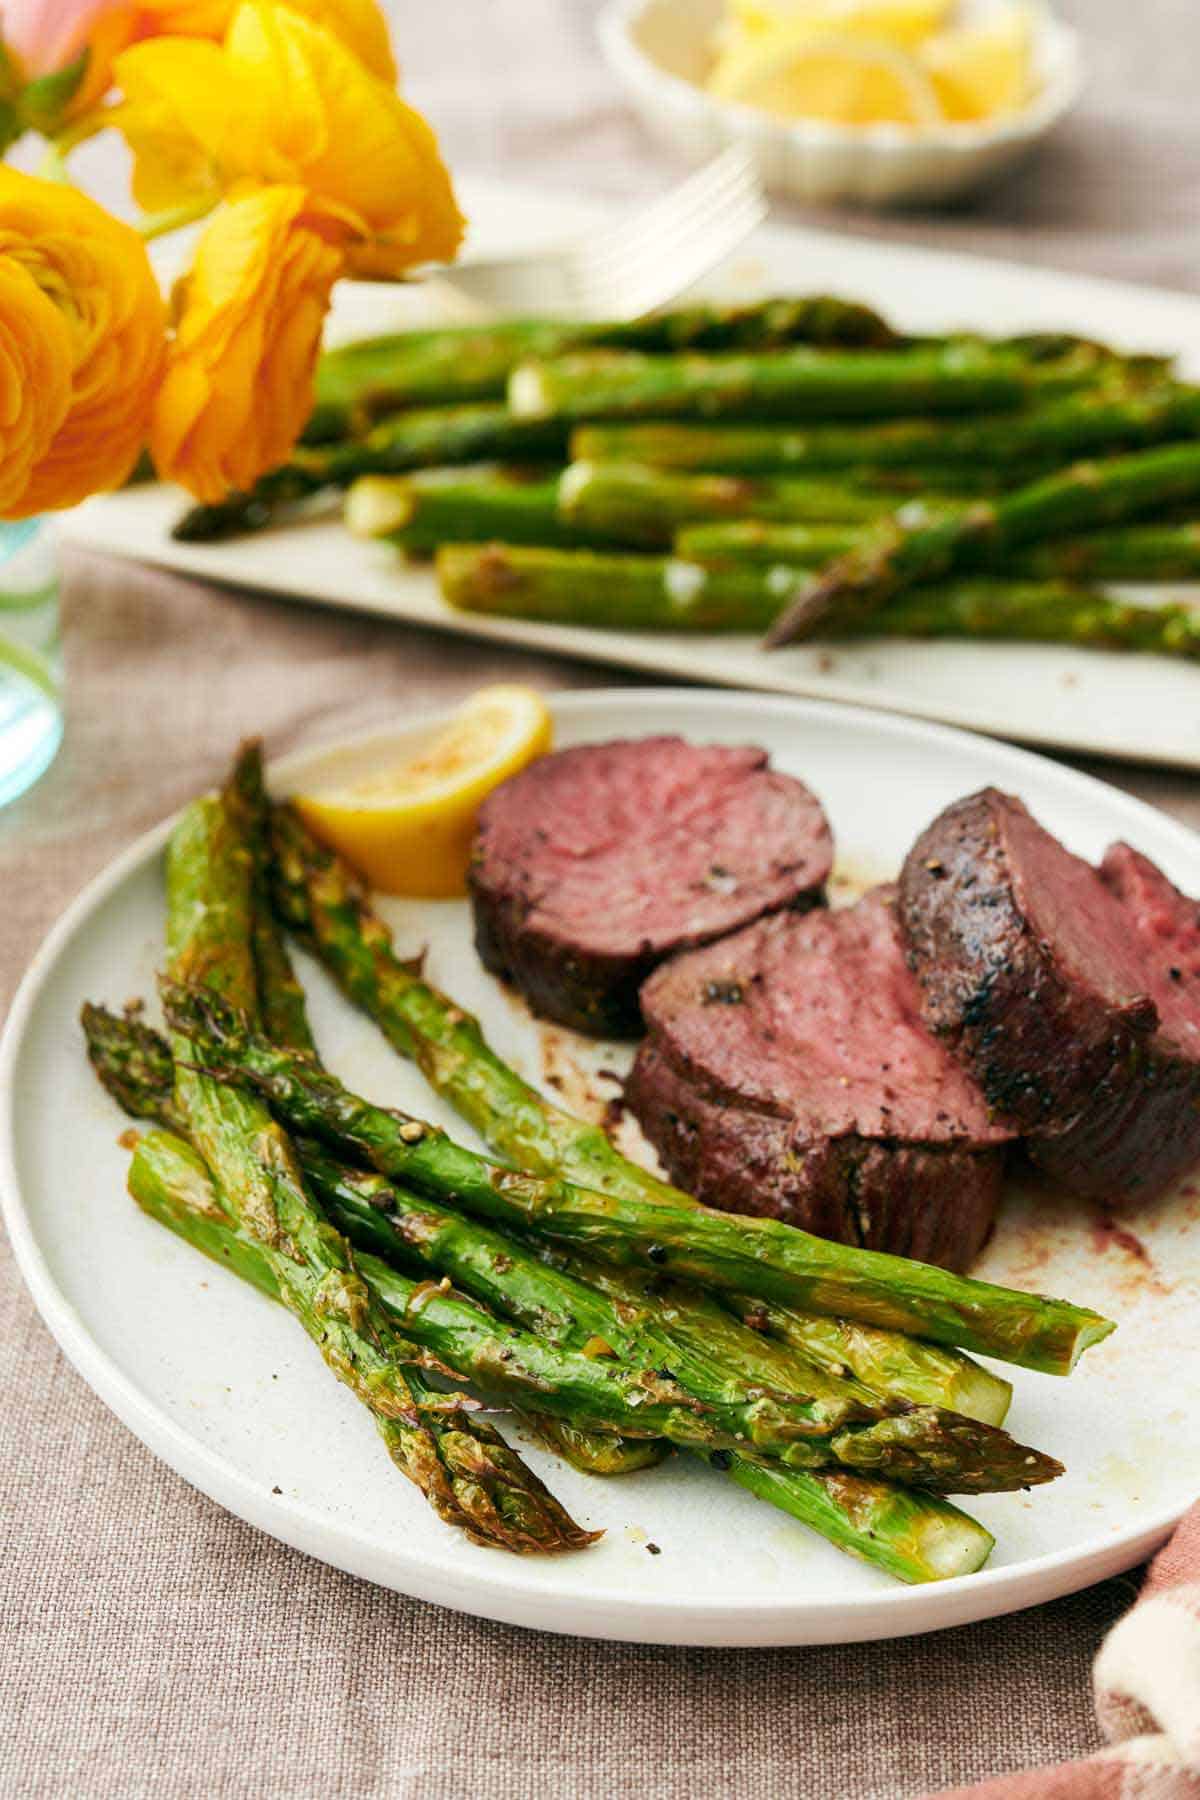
x,y
595,863
1050,980
788,1072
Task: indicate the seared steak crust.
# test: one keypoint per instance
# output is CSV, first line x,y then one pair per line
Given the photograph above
x,y
594,864
1034,970
935,1202
788,1072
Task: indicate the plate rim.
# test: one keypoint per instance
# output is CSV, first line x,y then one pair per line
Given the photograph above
x,y
883,1613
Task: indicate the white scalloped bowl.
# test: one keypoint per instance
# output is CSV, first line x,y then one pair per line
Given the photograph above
x,y
658,49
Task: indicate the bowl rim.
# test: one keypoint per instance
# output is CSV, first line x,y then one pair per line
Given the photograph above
x,y
633,64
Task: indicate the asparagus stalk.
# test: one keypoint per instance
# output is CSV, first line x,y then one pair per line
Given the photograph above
x,y
285,1014
756,1256
419,512
209,912
588,504
561,1300
1035,612
1169,552
134,1064
644,593
916,548
441,437
643,507
1123,416
443,366
1138,553
449,365
323,901
505,1500
611,591
914,1536
921,1446
789,384
281,1003
759,325
700,1340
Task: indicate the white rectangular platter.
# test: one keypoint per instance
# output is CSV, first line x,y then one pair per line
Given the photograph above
x,y
1142,708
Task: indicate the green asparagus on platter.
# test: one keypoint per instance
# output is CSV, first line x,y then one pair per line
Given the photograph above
x,y
786,384
645,593
440,438
1126,553
643,507
920,546
588,505
1115,417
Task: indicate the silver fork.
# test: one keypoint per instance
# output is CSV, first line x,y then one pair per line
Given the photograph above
x,y
623,270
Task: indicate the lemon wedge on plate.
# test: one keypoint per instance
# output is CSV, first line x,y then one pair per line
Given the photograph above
x,y
837,77
408,827
984,71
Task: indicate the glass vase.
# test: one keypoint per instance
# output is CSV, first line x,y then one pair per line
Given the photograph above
x,y
31,718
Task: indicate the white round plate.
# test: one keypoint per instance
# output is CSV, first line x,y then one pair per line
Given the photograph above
x,y
220,1384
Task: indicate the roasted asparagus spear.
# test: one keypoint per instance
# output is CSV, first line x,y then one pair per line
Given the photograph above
x,y
919,546
1113,417
914,1536
787,384
210,912
756,1256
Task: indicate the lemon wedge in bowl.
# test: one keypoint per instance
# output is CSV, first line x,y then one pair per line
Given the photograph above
x,y
408,827
902,22
983,71
837,77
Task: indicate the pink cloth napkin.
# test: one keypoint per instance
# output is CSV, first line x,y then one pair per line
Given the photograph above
x,y
1147,1686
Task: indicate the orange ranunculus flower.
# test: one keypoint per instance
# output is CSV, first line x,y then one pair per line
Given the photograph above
x,y
35,379
239,377
46,37
284,101
95,276
358,24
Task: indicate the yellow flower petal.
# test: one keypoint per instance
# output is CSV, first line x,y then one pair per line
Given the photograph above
x,y
350,138
238,385
285,102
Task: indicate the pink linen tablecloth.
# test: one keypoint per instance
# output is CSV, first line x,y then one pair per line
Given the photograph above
x,y
151,1644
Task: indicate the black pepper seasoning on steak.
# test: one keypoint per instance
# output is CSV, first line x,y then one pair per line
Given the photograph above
x,y
820,1097
1051,981
595,863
